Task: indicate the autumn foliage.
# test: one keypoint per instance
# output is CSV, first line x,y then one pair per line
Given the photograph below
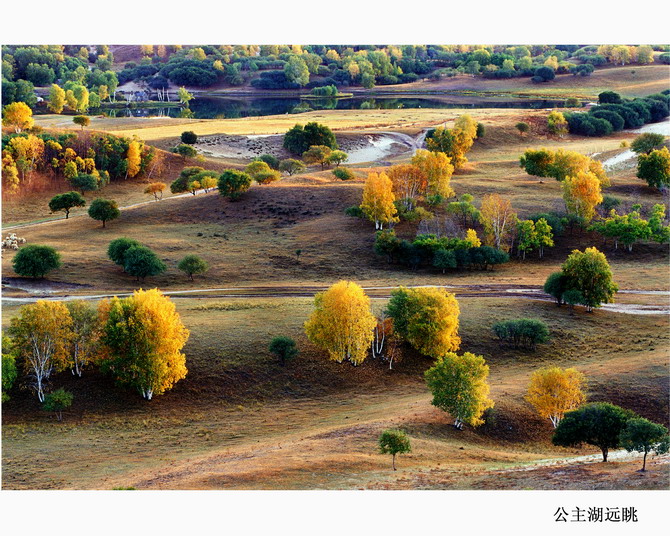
x,y
142,338
553,391
342,323
378,200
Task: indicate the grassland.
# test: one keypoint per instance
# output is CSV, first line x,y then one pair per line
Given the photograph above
x,y
241,420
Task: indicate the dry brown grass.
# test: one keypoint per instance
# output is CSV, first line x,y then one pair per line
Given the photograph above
x,y
241,420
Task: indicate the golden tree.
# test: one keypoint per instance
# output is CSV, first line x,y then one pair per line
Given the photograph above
x,y
56,101
427,318
498,219
409,183
342,322
472,238
17,115
156,189
10,174
85,334
41,334
27,152
378,200
582,194
455,142
553,391
438,170
134,158
142,338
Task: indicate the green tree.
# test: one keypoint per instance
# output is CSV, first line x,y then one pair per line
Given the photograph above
x,y
185,151
233,183
36,261
642,435
545,236
140,261
299,139
58,401
9,370
66,202
599,424
81,120
184,96
337,157
317,154
85,182
655,168
284,348
117,248
394,442
192,264
590,273
103,210
291,166
458,384
84,335
522,127
527,239
296,71
647,142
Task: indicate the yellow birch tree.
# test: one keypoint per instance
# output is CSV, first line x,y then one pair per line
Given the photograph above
x,y
342,323
378,200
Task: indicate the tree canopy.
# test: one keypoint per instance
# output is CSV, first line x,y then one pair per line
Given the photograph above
x,y
142,338
459,386
342,323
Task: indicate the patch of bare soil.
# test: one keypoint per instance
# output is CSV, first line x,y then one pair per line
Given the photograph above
x,y
372,146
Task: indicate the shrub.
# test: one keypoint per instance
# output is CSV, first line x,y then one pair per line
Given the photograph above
x,y
36,261
525,332
189,137
609,97
192,264
522,127
270,160
543,74
58,401
185,150
343,174
355,211
84,182
180,184
481,130
284,348
233,184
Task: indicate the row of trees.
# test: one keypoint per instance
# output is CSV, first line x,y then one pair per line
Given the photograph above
x,y
615,113
137,340
86,161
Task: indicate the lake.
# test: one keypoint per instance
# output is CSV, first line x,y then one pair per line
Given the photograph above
x,y
236,107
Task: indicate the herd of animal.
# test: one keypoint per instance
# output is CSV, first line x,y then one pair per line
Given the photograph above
x,y
12,241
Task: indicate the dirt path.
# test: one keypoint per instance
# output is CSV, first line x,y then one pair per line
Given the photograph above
x,y
39,292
